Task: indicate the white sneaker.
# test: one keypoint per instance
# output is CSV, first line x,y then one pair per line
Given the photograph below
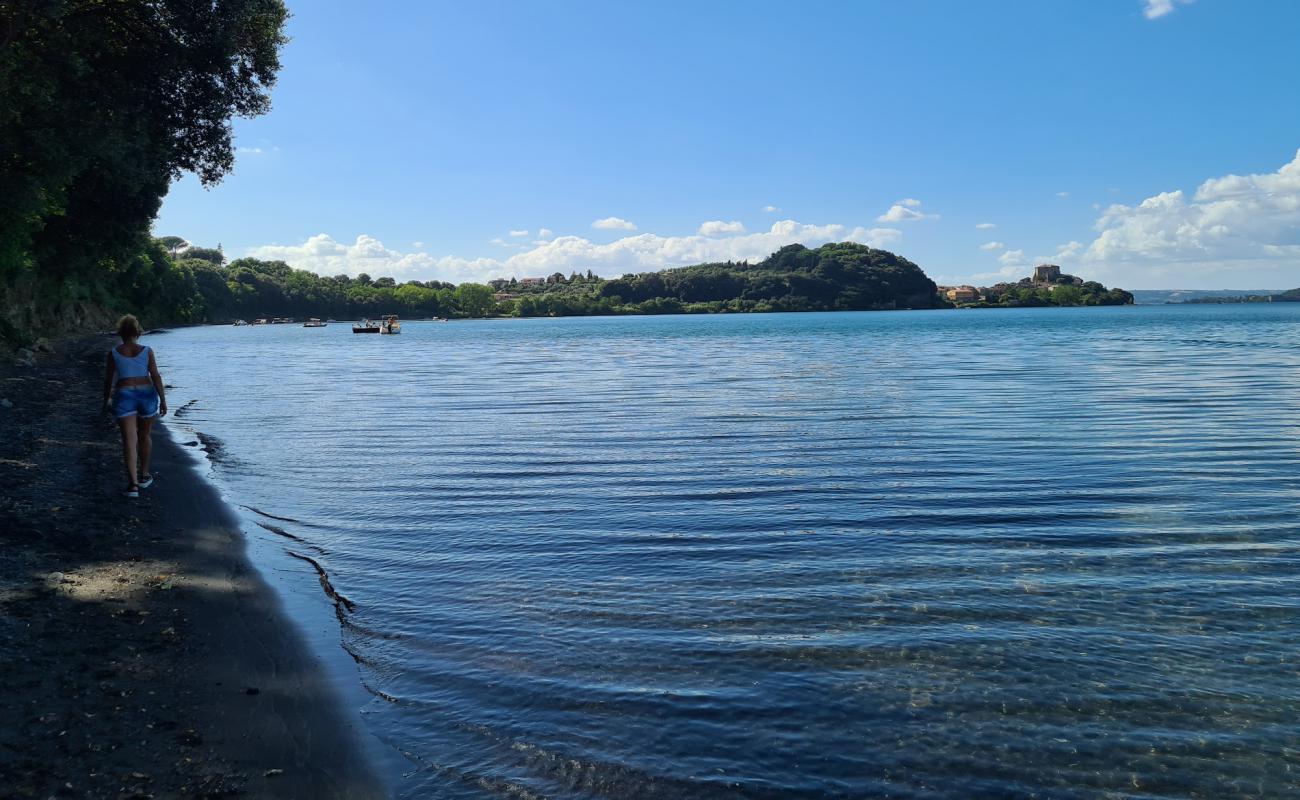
x,y
146,481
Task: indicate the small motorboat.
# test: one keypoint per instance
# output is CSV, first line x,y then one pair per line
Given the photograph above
x,y
365,326
313,323
259,322
389,324
240,322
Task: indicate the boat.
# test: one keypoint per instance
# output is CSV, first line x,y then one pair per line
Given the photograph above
x,y
239,322
259,322
313,323
389,324
365,326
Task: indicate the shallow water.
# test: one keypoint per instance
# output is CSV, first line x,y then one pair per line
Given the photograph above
x,y
1026,553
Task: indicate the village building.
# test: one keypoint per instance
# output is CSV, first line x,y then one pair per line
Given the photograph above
x,y
963,294
533,282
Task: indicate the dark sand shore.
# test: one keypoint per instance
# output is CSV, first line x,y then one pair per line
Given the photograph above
x,y
142,655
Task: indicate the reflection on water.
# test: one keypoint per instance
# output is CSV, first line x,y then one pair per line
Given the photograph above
x,y
1047,553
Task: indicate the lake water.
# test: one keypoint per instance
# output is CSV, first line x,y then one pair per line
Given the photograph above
x,y
1028,553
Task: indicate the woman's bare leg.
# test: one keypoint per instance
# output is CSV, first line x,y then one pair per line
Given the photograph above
x,y
145,444
127,424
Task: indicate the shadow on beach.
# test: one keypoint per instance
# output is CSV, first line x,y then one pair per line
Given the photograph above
x,y
146,657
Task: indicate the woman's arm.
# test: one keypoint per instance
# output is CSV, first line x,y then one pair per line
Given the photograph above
x,y
108,380
157,385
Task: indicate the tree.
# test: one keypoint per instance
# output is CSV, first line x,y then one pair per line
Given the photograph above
x,y
474,299
105,104
172,243
209,254
414,298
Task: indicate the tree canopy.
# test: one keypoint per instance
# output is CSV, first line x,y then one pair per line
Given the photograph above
x,y
105,102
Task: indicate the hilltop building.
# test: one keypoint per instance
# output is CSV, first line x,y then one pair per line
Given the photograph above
x,y
1047,273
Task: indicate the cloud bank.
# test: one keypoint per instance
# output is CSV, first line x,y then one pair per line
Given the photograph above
x,y
1230,223
324,255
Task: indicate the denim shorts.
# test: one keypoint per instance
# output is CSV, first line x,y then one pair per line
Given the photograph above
x,y
131,401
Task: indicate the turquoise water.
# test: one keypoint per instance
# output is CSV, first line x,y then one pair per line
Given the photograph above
x,y
1026,553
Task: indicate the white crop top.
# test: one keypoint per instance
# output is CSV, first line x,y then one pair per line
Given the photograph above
x,y
132,367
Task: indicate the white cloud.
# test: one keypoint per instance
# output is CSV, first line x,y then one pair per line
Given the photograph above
x,y
417,244
1155,9
544,233
1231,223
613,224
1062,194
325,256
905,211
992,246
252,151
985,226
498,240
1065,252
719,228
1012,258
873,237
772,209
637,253
519,234
648,251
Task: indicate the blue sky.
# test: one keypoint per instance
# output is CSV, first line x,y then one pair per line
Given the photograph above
x,y
1146,143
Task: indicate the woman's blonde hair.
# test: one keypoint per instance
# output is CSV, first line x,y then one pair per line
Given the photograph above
x,y
128,327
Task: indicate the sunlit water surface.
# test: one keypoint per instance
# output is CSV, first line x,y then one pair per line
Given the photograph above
x,y
1029,553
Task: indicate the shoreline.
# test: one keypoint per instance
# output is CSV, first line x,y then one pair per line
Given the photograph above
x,y
156,660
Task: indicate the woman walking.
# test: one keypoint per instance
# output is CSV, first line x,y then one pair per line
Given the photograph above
x,y
133,391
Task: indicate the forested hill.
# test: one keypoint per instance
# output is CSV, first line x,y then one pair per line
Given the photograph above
x,y
201,287
834,277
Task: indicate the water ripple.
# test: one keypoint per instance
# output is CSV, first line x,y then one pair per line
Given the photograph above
x,y
1038,553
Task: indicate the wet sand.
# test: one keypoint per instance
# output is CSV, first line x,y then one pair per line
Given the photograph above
x,y
143,656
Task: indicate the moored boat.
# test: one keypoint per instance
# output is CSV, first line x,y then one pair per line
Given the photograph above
x,y
240,322
365,326
313,323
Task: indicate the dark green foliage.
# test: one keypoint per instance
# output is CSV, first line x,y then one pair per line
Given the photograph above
x,y
208,254
833,277
102,104
1089,293
842,276
201,291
